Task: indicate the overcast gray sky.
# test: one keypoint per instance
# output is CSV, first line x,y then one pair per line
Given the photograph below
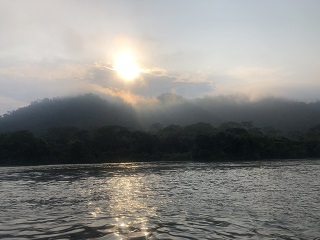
x,y
51,48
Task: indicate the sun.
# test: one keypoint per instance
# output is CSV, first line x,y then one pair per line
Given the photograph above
x,y
126,66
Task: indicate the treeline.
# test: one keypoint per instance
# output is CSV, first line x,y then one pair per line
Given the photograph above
x,y
90,111
85,111
198,142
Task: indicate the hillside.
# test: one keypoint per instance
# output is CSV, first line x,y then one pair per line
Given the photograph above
x,y
85,111
91,111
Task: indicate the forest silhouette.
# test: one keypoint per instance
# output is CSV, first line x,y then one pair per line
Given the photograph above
x,y
88,129
197,142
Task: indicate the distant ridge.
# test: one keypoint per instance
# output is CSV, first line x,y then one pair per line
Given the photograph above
x,y
85,111
91,111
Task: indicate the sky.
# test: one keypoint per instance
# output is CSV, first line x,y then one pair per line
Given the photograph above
x,y
56,48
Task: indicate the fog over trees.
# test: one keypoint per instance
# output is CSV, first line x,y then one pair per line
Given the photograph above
x,y
89,129
91,111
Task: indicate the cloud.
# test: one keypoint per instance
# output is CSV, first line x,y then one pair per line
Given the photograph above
x,y
26,82
124,95
151,82
256,82
48,48
8,104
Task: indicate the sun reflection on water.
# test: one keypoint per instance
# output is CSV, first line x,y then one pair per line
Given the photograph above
x,y
125,198
129,203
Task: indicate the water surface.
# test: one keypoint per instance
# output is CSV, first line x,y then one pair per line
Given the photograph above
x,y
166,200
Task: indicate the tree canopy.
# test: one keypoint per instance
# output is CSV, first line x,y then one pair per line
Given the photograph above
x,y
197,142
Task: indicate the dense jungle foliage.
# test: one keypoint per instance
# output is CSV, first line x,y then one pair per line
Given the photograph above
x,y
90,111
198,142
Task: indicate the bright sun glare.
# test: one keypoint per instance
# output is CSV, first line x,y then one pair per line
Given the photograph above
x,y
126,66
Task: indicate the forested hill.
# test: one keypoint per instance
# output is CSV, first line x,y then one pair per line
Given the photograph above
x,y
85,111
90,111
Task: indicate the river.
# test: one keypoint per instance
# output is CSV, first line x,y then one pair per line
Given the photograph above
x,y
162,200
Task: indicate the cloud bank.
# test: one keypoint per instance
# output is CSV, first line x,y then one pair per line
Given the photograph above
x,y
28,82
59,48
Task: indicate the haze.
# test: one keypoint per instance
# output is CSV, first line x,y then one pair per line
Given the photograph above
x,y
191,48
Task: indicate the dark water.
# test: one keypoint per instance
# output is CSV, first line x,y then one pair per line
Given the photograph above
x,y
268,200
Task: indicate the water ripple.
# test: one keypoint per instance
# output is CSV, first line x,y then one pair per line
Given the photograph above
x,y
165,200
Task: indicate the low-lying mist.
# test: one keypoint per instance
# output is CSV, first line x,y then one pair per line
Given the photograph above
x,y
92,111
